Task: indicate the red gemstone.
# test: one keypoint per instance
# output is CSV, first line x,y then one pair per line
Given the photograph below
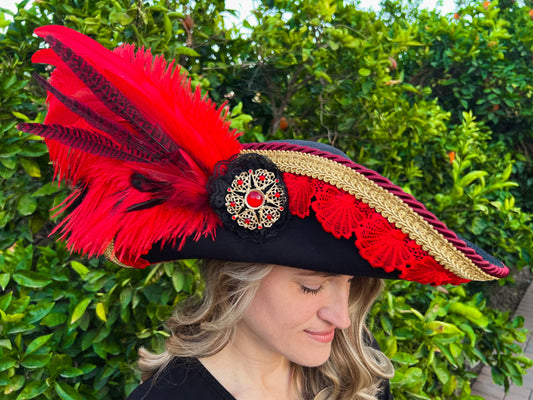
x,y
278,194
229,189
262,177
232,204
250,171
281,208
255,199
234,217
247,220
240,182
269,216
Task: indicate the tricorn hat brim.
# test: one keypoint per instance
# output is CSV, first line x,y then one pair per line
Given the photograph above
x,y
158,175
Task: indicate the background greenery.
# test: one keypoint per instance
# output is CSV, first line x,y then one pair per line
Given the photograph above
x,y
442,105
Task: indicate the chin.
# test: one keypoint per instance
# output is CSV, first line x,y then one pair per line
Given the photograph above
x,y
316,359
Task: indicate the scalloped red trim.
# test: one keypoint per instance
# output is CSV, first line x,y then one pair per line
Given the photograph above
x,y
379,241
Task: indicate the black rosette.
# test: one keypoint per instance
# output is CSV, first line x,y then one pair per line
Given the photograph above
x,y
249,196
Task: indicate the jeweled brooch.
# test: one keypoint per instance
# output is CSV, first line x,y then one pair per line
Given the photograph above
x,y
254,202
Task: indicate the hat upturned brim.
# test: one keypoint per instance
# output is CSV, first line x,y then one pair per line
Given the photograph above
x,y
400,238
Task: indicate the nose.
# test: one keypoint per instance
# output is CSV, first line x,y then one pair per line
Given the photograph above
x,y
335,309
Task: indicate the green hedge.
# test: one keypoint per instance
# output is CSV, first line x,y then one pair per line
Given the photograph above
x,y
412,97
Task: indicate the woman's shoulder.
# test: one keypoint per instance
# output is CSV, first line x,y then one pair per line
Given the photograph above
x,y
182,379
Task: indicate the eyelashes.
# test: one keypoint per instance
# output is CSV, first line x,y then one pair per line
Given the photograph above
x,y
307,290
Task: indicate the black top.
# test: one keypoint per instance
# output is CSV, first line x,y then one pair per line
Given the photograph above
x,y
182,379
188,379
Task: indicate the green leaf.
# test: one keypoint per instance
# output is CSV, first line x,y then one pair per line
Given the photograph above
x,y
322,75
72,372
18,114
498,376
79,310
364,72
178,280
36,360
32,390
442,372
404,358
26,204
186,51
67,392
34,149
100,312
31,279
81,269
472,313
125,296
439,327
87,339
16,382
15,317
6,363
4,280
37,343
5,301
46,189
54,319
472,176
31,167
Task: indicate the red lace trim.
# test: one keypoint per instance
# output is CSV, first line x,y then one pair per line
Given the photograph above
x,y
339,212
379,241
300,191
430,272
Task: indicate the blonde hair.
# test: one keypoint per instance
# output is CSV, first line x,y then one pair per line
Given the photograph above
x,y
201,328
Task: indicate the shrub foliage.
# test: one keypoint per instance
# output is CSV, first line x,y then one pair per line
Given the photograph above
x,y
439,104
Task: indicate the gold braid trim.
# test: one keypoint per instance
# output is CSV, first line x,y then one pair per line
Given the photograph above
x,y
109,253
381,200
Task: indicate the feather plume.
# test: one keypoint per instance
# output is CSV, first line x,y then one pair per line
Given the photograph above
x,y
127,131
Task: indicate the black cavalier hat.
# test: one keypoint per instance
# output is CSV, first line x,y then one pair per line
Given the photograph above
x,y
157,175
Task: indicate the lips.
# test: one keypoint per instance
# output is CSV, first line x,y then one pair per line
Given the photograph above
x,y
322,337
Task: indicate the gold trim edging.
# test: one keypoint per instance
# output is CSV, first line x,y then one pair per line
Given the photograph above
x,y
381,200
109,253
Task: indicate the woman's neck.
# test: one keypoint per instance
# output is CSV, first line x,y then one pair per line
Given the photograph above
x,y
249,375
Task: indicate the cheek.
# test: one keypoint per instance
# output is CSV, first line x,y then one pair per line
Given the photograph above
x,y
279,311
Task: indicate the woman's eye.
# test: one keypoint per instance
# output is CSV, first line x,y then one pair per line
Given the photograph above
x,y
308,290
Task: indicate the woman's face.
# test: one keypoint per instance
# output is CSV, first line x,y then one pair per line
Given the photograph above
x,y
294,315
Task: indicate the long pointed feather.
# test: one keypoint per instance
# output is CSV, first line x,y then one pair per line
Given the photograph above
x,y
81,139
160,90
110,95
129,142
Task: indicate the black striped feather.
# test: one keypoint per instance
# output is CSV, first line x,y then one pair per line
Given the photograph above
x,y
110,96
129,142
81,139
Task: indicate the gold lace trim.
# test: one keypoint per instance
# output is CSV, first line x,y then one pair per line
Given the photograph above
x,y
381,200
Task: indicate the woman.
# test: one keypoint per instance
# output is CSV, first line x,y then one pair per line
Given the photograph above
x,y
276,327
157,175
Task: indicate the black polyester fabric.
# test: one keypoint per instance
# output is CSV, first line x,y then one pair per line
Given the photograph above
x,y
182,379
302,243
188,379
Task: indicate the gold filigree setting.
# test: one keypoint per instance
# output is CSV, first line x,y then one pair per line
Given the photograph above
x,y
255,199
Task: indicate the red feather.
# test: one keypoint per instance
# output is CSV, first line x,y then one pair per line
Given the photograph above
x,y
163,195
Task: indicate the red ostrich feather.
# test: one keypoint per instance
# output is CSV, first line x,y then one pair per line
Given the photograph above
x,y
126,130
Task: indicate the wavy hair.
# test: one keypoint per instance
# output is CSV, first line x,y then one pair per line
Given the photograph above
x,y
202,327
